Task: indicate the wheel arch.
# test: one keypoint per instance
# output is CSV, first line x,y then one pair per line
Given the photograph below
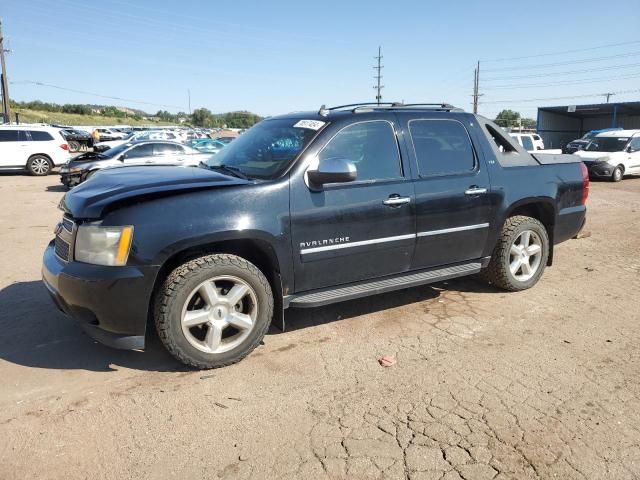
x,y
257,251
48,157
542,210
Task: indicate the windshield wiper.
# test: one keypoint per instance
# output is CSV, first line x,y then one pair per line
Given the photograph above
x,y
234,171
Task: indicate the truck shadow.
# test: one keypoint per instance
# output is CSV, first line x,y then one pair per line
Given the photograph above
x,y
36,334
300,318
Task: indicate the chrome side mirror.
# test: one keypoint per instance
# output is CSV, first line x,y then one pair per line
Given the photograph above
x,y
332,170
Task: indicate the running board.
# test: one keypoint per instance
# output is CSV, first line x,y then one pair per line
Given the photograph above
x,y
318,298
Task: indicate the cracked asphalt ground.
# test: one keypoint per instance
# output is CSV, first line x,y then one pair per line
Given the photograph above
x,y
488,384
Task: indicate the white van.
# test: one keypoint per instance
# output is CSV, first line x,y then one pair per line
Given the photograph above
x,y
36,149
531,142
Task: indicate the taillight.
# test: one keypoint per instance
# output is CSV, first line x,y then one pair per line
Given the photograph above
x,y
585,183
64,146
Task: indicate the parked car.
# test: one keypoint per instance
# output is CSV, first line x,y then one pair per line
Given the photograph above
x,y
207,145
581,143
77,139
81,168
34,149
108,134
303,210
136,137
225,140
613,154
529,141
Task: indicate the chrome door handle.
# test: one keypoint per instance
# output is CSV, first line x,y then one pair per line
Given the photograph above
x,y
396,201
475,191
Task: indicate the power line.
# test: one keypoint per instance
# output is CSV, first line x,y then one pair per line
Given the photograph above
x,y
560,98
550,54
142,102
566,82
571,62
566,72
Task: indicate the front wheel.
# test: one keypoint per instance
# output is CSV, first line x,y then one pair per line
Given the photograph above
x,y
39,165
520,256
617,174
213,311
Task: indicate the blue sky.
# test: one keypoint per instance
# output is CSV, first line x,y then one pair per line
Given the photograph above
x,y
278,56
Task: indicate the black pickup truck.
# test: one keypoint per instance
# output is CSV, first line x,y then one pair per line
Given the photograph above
x,y
304,210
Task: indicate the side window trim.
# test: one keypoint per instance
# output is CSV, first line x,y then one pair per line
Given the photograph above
x,y
476,162
394,132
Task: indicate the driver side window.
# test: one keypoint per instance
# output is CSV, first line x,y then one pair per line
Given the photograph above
x,y
372,148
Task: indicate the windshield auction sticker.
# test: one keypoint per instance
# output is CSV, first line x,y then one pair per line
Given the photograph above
x,y
310,124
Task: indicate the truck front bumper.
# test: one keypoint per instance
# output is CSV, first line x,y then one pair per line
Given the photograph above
x,y
110,303
600,170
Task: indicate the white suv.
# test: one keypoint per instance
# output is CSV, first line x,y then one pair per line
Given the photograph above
x,y
36,149
531,142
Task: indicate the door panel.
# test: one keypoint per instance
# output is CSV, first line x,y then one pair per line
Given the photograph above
x,y
453,207
353,231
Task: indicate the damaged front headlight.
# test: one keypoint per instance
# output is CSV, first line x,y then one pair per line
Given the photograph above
x,y
100,245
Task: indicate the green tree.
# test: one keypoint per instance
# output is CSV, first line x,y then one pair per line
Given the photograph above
x,y
529,123
507,118
202,117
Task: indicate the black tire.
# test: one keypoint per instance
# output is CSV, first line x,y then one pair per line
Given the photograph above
x,y
498,272
178,286
617,173
39,165
74,146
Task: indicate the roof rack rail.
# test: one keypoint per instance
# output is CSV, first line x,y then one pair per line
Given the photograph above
x,y
368,106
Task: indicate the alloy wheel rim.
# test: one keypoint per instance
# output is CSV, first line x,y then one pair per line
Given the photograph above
x,y
40,165
525,255
219,314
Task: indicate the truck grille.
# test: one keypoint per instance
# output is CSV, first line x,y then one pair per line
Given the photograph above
x,y
64,239
62,249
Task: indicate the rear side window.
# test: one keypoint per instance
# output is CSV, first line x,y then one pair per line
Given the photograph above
x,y
39,136
167,149
371,146
442,147
11,136
536,137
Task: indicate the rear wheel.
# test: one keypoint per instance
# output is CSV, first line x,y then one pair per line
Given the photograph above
x,y
520,256
39,165
617,174
74,146
213,311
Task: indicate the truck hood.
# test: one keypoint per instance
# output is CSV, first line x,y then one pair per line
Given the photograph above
x,y
583,154
106,187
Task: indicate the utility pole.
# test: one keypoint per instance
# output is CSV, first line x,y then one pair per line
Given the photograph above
x,y
6,110
378,77
608,95
476,87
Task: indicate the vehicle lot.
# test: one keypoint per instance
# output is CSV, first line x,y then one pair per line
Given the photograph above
x,y
488,384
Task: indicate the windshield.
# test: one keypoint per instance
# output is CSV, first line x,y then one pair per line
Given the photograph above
x,y
265,150
607,144
588,136
115,151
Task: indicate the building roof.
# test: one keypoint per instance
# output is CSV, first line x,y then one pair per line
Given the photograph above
x,y
595,109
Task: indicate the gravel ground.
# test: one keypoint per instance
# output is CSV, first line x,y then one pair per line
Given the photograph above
x,y
487,384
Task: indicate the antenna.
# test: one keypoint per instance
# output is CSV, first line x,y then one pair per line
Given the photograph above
x,y
378,77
